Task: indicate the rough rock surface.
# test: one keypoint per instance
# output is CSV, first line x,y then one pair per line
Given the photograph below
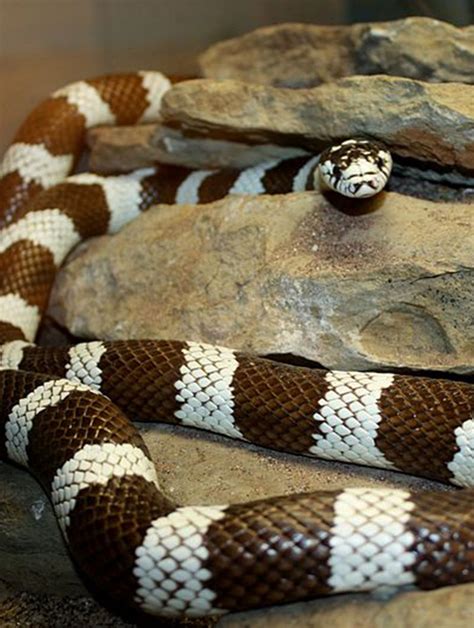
x,y
121,149
197,468
54,611
383,283
431,123
32,554
304,55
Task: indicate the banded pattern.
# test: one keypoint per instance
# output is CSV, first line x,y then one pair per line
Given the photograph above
x,y
361,416
63,409
49,142
205,389
358,168
349,418
92,465
370,545
170,563
22,415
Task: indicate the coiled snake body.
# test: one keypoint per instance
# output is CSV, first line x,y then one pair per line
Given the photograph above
x,y
62,411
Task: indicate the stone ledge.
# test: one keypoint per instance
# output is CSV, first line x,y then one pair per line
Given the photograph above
x,y
429,123
305,55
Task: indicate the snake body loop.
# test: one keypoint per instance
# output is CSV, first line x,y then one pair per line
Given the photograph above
x,y
63,411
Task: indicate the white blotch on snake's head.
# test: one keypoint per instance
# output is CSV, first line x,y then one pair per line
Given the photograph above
x,y
356,168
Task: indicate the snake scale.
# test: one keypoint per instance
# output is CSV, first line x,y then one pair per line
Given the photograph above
x,y
63,410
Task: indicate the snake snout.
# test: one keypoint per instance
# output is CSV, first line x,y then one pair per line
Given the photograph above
x,y
366,185
356,168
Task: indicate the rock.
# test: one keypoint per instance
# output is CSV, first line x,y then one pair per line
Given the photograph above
x,y
198,468
121,149
304,55
33,556
379,284
48,611
431,123
113,149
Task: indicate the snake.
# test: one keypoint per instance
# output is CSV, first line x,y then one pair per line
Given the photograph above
x,y
67,412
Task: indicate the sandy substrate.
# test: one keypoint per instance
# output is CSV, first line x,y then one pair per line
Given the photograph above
x,y
199,468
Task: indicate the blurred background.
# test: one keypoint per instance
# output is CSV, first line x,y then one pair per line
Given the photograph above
x,y
45,44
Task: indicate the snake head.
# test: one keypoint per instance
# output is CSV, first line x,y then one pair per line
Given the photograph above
x,y
356,168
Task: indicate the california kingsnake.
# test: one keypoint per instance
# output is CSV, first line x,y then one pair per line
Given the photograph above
x,y
130,540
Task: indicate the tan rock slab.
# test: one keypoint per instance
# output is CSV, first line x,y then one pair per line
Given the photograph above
x,y
385,283
432,123
304,55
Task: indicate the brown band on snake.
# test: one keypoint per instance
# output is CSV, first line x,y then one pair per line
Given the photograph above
x,y
279,179
277,537
82,418
165,183
28,270
408,407
125,95
141,377
290,396
15,193
217,185
50,360
86,205
107,524
56,124
15,385
9,332
443,526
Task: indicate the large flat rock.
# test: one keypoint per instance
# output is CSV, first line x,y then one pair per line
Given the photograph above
x,y
385,283
429,123
304,55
